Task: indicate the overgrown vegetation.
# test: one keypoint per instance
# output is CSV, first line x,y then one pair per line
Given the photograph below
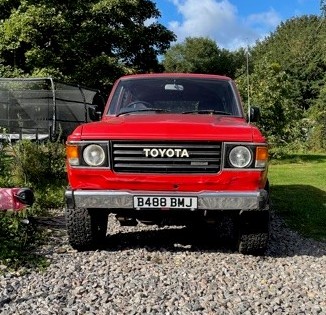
x,y
18,239
41,167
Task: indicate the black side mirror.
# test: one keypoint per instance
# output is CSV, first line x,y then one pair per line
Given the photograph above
x,y
93,113
25,196
254,114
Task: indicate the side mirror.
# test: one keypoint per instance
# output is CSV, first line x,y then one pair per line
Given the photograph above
x,y
25,196
254,114
93,113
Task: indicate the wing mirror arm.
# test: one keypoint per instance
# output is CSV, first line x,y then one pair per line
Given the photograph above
x,y
93,113
253,114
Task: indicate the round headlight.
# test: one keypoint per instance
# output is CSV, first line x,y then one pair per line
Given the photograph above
x,y
94,155
240,157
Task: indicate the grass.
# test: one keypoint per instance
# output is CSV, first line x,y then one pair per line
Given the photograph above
x,y
298,192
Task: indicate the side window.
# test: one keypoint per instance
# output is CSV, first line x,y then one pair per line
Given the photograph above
x,y
228,100
122,96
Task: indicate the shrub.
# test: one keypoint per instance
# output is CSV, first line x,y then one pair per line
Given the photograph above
x,y
40,166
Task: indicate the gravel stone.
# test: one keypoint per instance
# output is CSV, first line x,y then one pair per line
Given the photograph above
x,y
150,270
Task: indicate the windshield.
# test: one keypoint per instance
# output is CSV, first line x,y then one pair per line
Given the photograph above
x,y
174,95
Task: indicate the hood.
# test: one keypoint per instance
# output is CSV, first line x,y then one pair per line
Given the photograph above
x,y
170,126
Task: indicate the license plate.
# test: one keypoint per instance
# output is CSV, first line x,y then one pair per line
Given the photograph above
x,y
165,202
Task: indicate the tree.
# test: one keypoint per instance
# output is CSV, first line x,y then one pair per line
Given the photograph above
x,y
271,90
86,42
202,55
317,120
298,46
6,6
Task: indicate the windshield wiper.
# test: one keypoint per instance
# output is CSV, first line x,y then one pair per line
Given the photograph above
x,y
207,111
158,110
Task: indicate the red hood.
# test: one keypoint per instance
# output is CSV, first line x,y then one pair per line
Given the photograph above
x,y
169,126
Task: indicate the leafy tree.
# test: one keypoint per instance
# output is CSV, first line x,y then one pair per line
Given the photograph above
x,y
88,42
271,90
317,120
202,55
298,46
6,7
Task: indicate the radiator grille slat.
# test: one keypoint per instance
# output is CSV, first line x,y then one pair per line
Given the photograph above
x,y
167,157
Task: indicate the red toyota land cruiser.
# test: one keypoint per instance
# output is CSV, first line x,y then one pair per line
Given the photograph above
x,y
172,149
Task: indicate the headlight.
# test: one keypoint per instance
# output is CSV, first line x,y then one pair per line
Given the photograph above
x,y
94,155
240,157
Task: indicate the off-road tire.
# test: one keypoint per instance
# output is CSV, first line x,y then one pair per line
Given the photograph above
x,y
253,244
86,228
254,232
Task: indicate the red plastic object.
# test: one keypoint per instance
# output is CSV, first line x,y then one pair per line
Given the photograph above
x,y
15,199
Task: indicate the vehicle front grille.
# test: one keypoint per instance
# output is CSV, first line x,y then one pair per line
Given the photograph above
x,y
166,157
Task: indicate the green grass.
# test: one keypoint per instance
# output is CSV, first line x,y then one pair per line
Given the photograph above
x,y
298,192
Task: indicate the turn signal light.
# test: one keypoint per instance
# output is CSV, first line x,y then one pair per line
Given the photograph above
x,y
261,157
72,154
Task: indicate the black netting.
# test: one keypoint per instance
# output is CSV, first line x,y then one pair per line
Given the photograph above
x,y
41,108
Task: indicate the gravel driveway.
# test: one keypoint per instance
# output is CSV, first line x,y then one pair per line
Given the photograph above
x,y
146,270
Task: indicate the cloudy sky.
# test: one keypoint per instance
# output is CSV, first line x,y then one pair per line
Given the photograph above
x,y
231,23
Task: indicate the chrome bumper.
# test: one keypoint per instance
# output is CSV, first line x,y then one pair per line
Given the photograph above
x,y
112,199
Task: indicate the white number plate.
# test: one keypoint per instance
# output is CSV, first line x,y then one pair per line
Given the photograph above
x,y
165,202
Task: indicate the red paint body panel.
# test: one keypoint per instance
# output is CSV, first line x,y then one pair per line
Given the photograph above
x,y
224,181
162,127
170,126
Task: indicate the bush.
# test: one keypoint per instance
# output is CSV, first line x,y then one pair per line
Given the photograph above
x,y
40,166
17,239
5,165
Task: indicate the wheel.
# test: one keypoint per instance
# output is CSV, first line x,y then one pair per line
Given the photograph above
x,y
253,243
253,233
86,228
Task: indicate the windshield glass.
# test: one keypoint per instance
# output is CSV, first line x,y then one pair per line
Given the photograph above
x,y
174,95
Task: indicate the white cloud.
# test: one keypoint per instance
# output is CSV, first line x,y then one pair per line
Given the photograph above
x,y
269,18
220,21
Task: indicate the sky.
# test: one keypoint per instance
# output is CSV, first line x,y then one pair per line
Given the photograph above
x,y
231,23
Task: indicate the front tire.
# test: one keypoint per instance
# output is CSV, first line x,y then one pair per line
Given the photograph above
x,y
86,228
254,233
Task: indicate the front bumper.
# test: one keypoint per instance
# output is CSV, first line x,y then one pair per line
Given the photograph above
x,y
112,199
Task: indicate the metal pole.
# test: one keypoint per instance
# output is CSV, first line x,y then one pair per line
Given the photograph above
x,y
248,84
54,116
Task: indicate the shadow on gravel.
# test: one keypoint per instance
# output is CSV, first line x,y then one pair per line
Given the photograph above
x,y
170,239
284,242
